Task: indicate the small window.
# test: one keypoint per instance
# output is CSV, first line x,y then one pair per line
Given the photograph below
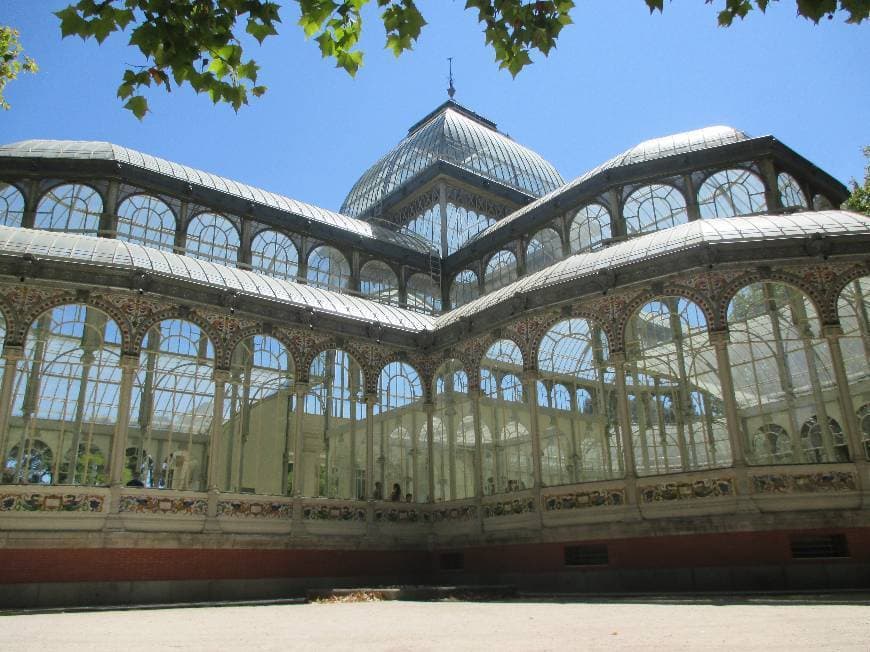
x,y
452,561
819,547
589,555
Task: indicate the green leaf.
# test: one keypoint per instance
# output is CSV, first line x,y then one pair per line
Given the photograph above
x,y
138,105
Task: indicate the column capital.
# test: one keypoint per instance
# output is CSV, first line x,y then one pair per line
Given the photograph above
x,y
221,375
129,361
832,331
617,357
531,375
719,337
300,387
13,352
371,398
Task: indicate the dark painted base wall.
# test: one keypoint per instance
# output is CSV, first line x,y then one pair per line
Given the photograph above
x,y
751,561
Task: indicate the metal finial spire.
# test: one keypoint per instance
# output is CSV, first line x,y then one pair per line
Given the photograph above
x,y
451,91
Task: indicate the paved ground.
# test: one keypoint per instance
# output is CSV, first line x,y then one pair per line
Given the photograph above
x,y
677,625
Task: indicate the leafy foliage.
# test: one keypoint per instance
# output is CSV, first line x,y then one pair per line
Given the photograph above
x,y
199,42
11,60
859,200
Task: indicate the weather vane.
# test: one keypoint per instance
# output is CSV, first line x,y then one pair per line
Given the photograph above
x,y
451,91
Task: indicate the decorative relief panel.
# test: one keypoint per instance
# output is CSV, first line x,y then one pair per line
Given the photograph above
x,y
583,499
509,507
254,509
51,503
824,482
671,491
334,513
397,515
163,505
450,514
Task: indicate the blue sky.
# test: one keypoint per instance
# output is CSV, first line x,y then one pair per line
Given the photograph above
x,y
619,76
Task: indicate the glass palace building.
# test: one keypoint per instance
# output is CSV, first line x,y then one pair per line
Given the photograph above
x,y
651,377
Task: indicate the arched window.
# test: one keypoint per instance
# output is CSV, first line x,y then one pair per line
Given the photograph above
x,y
257,418
675,397
36,464
728,193
782,369
328,269
401,442
146,220
454,436
66,396
428,227
771,444
504,410
579,420
378,281
71,208
214,238
423,294
462,225
813,436
275,255
173,407
336,424
464,288
822,203
589,228
653,208
501,270
11,205
543,250
790,193
853,309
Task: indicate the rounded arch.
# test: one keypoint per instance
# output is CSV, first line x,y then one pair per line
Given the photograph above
x,y
571,346
544,249
790,193
328,268
11,204
731,192
212,237
423,294
682,293
274,254
71,208
378,281
500,270
464,288
147,220
653,208
590,227
183,314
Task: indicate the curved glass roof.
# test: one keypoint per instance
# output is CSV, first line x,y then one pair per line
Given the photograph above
x,y
648,150
117,254
458,136
98,150
751,228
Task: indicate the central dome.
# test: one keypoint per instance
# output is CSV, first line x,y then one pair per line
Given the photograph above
x,y
455,135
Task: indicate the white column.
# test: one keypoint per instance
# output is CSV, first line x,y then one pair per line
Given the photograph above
x,y
430,428
371,401
474,397
301,390
530,382
129,365
11,356
617,359
221,376
719,340
832,333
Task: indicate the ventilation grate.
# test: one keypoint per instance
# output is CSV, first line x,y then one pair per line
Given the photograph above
x,y
819,547
587,555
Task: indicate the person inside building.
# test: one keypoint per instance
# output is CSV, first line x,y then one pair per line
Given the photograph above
x,y
396,494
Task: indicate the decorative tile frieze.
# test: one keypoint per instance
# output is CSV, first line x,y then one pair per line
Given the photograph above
x,y
785,483
583,499
163,505
450,514
333,513
254,509
509,507
397,515
671,491
51,503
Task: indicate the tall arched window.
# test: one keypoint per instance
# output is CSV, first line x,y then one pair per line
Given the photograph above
x,y
589,228
653,208
504,410
214,238
428,227
173,408
257,435
401,442
71,208
728,193
378,281
423,294
544,249
782,373
675,397
462,225
335,428
464,288
328,269
577,416
790,193
148,221
275,255
11,205
66,398
854,311
453,434
501,270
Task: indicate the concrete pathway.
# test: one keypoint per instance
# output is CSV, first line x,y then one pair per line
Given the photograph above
x,y
453,626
